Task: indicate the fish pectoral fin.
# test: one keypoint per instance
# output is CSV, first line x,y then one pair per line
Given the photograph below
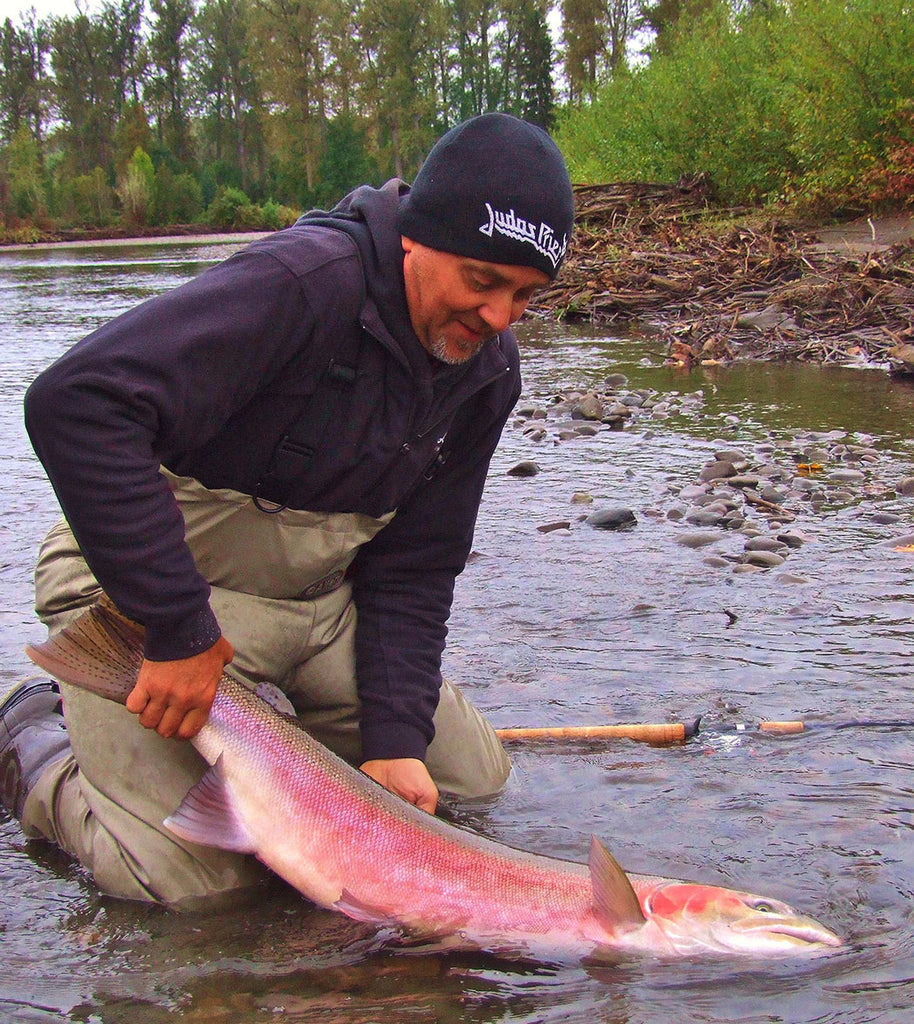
x,y
358,910
615,902
207,816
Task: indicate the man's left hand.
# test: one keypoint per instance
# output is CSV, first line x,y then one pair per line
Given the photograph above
x,y
408,778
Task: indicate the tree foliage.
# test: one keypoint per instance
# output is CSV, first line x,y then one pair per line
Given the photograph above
x,y
806,101
289,103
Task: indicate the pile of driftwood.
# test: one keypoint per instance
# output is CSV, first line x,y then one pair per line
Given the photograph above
x,y
645,253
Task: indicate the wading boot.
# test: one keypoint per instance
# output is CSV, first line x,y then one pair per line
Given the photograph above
x,y
32,737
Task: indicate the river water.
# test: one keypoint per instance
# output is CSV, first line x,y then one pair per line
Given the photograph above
x,y
577,626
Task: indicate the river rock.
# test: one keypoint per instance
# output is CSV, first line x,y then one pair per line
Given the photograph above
x,y
743,480
697,538
710,515
885,518
525,468
717,470
773,494
582,498
716,562
614,381
792,538
846,476
765,544
617,518
765,559
588,408
905,486
618,410
692,492
905,541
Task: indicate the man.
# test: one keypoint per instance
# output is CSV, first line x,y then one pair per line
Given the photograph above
x,y
277,468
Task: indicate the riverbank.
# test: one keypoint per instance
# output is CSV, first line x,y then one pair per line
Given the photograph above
x,y
712,285
705,284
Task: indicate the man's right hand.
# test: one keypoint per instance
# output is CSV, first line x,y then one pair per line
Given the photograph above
x,y
174,697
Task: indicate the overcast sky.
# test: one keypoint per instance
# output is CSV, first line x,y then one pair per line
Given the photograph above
x,y
45,8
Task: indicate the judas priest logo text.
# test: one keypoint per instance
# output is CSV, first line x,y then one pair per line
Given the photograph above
x,y
540,236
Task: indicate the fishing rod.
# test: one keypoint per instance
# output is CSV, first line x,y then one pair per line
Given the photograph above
x,y
662,733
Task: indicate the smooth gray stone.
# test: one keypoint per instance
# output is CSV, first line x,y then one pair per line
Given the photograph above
x,y
612,518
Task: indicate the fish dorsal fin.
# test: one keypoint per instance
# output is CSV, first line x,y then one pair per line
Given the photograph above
x,y
615,902
206,815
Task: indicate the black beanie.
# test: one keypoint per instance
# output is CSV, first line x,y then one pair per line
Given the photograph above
x,y
496,189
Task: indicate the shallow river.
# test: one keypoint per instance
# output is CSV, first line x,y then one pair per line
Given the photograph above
x,y
577,626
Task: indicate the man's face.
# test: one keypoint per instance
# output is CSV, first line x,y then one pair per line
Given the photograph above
x,y
457,303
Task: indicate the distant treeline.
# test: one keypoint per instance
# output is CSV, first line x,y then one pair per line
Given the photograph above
x,y
240,113
161,111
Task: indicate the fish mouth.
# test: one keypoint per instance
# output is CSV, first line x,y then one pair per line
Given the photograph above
x,y
801,931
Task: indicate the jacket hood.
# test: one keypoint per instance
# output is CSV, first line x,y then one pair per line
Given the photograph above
x,y
369,215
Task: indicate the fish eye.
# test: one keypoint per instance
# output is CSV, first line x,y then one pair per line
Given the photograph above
x,y
763,907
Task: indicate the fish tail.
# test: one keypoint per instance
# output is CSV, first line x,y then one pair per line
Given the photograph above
x,y
101,652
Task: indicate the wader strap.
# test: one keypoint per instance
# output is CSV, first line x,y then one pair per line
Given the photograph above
x,y
295,451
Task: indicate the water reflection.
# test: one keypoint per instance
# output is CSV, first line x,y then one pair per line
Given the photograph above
x,y
578,626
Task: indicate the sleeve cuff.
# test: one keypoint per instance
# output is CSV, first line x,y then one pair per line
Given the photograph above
x,y
388,740
171,641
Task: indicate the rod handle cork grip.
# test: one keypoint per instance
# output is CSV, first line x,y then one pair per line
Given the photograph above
x,y
781,728
662,732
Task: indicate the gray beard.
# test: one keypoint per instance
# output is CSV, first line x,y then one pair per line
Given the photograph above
x,y
440,352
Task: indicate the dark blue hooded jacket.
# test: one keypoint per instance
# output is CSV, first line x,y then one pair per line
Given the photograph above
x,y
207,379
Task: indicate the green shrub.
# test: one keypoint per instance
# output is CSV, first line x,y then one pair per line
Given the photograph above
x,y
229,208
797,101
178,197
88,200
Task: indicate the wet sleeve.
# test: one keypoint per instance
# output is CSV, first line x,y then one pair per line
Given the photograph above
x,y
160,379
404,585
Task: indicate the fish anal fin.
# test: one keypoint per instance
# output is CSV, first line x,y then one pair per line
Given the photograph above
x,y
207,816
615,903
358,910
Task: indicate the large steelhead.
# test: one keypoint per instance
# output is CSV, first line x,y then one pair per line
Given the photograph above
x,y
348,844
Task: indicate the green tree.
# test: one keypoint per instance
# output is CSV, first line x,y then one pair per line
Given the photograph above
x,y
395,34
24,173
84,91
89,200
227,91
23,52
136,189
477,23
123,21
584,38
529,91
345,162
667,18
168,47
290,45
132,132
